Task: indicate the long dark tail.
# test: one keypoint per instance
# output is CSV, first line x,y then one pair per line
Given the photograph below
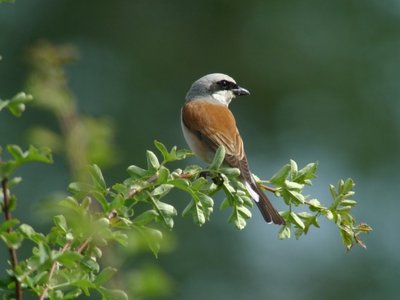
x,y
265,206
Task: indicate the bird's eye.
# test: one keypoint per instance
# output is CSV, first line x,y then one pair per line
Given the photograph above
x,y
224,84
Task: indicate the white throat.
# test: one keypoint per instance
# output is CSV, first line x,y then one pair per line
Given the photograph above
x,y
223,97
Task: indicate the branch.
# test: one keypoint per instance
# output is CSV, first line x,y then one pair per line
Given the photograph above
x,y
12,252
52,270
267,188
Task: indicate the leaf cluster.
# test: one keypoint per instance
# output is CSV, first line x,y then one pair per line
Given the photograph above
x,y
16,105
290,183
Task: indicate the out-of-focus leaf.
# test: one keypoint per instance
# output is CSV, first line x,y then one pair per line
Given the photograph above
x,y
110,294
20,157
145,217
97,178
104,276
218,158
16,105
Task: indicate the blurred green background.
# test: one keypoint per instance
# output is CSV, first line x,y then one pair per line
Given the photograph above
x,y
324,78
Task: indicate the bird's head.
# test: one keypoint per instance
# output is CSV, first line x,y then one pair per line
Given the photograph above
x,y
216,87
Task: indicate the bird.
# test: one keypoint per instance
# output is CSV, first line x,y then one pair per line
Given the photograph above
x,y
208,123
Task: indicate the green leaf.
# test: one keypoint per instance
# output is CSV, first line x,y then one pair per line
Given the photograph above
x,y
189,208
12,239
152,160
346,186
136,172
205,200
101,199
183,153
27,230
237,219
295,218
347,237
31,234
71,204
219,158
328,214
199,183
293,166
291,185
230,172
120,237
284,232
163,175
314,203
74,294
61,222
296,196
145,217
245,212
104,276
162,190
180,183
42,252
308,172
225,204
164,152
165,211
151,236
41,154
79,187
8,224
16,105
280,176
16,152
69,258
97,178
90,264
198,215
110,294
33,154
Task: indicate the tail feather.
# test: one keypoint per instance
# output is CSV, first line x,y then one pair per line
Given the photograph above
x,y
265,206
267,210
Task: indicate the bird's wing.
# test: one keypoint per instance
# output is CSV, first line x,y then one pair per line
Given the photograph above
x,y
215,124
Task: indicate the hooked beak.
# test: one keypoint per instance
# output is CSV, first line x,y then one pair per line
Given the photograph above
x,y
239,91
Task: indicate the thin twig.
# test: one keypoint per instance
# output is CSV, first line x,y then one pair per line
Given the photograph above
x,y
134,191
268,188
52,270
84,245
12,252
153,178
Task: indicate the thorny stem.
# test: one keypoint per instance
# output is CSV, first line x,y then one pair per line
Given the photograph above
x,y
12,252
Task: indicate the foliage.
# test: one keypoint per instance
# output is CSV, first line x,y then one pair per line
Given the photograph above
x,y
290,183
65,262
16,105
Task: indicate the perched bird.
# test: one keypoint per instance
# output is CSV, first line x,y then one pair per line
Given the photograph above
x,y
207,123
